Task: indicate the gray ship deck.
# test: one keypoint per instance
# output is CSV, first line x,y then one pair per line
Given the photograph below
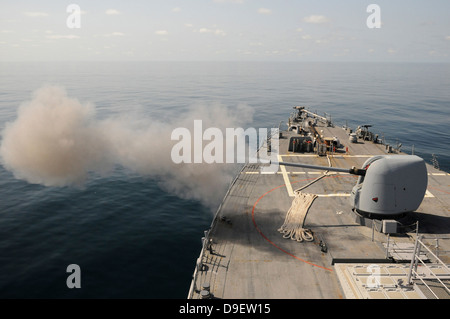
x,y
246,257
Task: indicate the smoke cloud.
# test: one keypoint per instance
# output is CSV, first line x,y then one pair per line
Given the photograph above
x,y
57,141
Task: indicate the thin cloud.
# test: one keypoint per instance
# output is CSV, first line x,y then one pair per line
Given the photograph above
x,y
229,1
264,11
316,19
36,14
216,31
114,34
58,36
220,32
391,51
161,32
112,12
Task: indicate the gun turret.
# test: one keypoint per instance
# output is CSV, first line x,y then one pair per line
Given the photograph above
x,y
388,186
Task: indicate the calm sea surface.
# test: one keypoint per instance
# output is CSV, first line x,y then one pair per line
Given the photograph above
x,y
131,238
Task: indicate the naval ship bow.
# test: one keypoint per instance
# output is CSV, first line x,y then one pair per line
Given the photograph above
x,y
344,216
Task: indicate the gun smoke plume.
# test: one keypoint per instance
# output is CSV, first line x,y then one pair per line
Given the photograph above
x,y
57,141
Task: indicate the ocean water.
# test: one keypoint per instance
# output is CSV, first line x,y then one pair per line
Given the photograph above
x,y
131,235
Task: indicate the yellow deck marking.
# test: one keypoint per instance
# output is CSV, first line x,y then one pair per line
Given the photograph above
x,y
286,177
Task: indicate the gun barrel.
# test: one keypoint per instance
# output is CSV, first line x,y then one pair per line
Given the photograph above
x,y
353,170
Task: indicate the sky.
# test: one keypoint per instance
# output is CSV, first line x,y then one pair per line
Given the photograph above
x,y
225,30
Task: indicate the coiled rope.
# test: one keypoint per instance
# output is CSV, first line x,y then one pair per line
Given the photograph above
x,y
295,218
293,226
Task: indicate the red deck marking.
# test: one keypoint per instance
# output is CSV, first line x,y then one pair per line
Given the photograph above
x,y
438,189
271,242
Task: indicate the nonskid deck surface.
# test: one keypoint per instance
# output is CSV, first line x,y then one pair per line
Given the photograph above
x,y
245,256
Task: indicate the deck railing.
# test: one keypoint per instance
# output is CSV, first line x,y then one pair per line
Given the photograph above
x,y
427,272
